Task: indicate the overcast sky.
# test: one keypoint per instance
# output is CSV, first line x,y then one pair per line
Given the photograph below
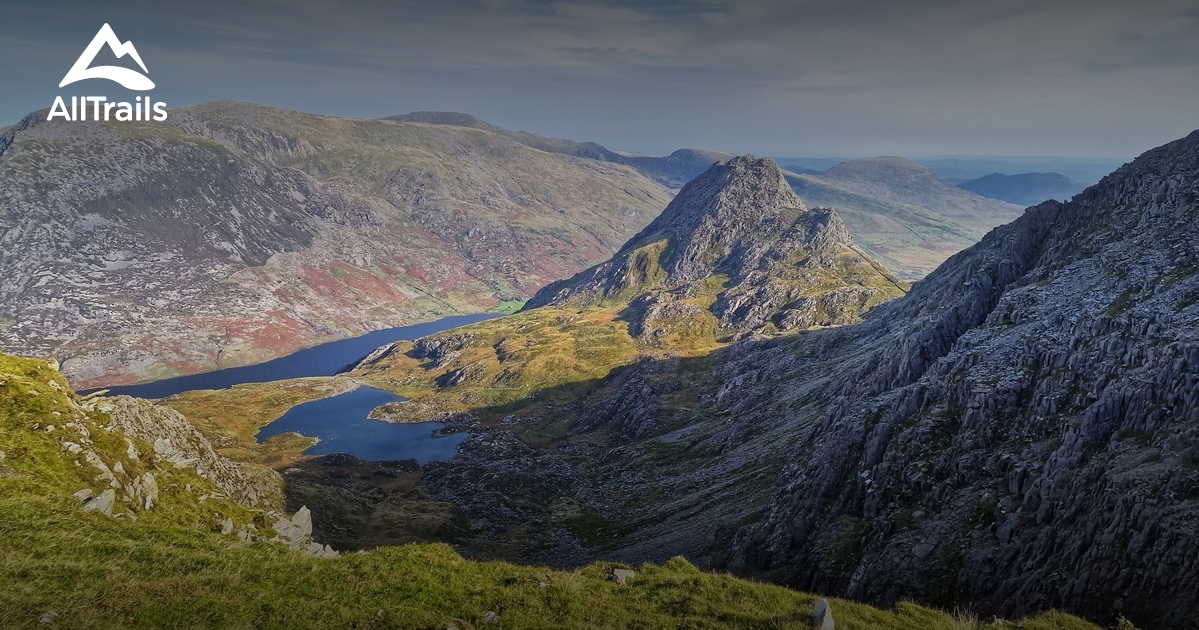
x,y
1093,78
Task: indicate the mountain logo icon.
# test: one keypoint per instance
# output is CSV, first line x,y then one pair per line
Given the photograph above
x,y
131,79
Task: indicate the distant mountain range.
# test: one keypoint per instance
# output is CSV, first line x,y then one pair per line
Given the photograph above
x,y
967,167
902,213
1025,189
960,168
899,212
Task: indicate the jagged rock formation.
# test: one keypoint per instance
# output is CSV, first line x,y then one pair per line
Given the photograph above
x,y
176,441
1020,431
739,236
234,233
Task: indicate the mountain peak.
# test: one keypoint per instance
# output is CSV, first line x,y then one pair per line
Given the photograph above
x,y
886,167
734,194
737,242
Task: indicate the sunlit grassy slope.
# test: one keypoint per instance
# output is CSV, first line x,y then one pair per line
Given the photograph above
x,y
63,567
497,364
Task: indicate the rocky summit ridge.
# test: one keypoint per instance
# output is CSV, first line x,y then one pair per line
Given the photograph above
x,y
739,233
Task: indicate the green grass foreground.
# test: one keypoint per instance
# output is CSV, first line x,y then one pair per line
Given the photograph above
x,y
171,568
95,571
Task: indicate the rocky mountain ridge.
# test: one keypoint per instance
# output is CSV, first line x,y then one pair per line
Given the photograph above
x,y
1017,431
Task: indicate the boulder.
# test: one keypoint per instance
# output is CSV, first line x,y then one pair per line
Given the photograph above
x,y
102,503
621,575
822,615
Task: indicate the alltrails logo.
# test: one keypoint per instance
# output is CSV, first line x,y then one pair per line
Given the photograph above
x,y
101,108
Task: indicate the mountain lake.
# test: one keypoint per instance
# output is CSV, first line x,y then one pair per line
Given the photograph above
x,y
340,423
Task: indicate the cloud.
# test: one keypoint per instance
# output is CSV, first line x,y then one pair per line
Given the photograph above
x,y
768,76
600,13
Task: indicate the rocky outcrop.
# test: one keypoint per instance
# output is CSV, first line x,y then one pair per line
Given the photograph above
x,y
175,440
738,245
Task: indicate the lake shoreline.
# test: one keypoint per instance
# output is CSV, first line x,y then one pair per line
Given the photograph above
x,y
327,359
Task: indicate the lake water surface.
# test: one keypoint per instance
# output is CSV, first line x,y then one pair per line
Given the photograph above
x,y
339,422
342,425
326,359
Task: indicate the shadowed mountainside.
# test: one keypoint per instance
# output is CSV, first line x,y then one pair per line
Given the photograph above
x,y
1017,432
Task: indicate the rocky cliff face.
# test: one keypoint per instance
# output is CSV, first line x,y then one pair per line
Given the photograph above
x,y
1019,432
235,233
177,442
738,233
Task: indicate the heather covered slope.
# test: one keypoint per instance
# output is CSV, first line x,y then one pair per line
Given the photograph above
x,y
175,551
236,232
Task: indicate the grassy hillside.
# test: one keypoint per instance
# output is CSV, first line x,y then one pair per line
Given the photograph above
x,y
61,566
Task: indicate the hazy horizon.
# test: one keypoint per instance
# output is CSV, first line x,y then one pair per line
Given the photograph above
x,y
803,79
